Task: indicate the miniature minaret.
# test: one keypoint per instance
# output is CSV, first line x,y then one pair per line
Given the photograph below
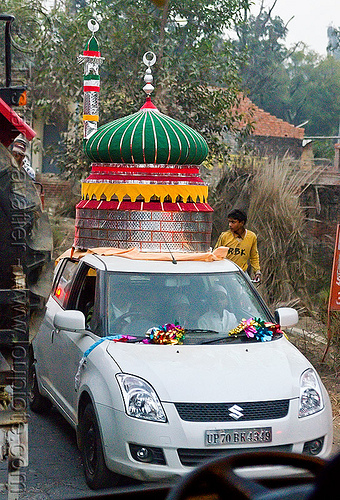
x,y
92,60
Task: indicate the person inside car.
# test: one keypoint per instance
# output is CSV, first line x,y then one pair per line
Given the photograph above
x,y
180,308
218,317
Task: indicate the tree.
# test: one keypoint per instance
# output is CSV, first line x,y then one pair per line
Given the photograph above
x,y
294,84
314,92
299,67
264,75
187,36
322,107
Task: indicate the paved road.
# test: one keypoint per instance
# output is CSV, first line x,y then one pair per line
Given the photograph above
x,y
55,468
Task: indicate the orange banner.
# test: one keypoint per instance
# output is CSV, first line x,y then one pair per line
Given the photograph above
x,y
334,295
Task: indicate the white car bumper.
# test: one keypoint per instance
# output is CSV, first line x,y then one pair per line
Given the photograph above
x,y
178,445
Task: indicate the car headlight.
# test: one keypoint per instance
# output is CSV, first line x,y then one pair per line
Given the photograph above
x,y
140,399
310,394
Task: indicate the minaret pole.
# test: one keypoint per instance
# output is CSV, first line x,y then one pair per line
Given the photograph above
x,y
92,60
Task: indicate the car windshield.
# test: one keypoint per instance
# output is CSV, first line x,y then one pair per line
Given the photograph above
x,y
206,306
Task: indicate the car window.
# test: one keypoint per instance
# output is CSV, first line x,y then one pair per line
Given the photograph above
x,y
84,296
63,282
216,301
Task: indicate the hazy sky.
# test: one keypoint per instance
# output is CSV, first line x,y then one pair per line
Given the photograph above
x,y
310,22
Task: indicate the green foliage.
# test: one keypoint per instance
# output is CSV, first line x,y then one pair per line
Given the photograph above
x,y
323,149
314,92
192,54
194,57
294,84
263,74
299,66
322,107
27,34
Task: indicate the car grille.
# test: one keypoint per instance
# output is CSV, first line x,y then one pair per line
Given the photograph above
x,y
222,412
192,457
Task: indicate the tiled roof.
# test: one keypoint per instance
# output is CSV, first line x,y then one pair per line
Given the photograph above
x,y
266,124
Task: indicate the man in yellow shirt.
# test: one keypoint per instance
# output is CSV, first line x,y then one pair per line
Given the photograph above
x,y
241,242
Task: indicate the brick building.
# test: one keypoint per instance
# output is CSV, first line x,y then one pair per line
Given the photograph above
x,y
271,136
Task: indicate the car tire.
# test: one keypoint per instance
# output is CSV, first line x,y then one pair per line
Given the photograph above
x,y
97,474
37,402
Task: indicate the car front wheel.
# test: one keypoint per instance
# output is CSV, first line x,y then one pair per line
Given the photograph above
x,y
97,474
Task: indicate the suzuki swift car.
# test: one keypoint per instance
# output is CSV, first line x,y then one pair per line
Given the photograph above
x,y
153,410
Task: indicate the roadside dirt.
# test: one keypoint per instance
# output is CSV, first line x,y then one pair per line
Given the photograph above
x,y
310,338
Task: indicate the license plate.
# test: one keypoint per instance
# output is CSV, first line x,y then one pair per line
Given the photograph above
x,y
238,436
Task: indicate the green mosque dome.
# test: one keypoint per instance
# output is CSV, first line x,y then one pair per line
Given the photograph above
x,y
147,136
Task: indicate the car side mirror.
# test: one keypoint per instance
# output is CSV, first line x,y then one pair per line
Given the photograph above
x,y
286,316
69,320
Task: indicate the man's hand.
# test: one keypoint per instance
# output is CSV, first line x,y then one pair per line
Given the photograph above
x,y
257,278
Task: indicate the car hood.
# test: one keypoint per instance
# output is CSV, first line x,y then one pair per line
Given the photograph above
x,y
212,373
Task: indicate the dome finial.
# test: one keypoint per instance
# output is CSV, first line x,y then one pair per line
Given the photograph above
x,y
149,60
93,26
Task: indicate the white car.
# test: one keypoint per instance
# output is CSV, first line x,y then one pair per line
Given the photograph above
x,y
153,411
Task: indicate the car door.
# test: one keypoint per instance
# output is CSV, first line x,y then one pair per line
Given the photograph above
x,y
57,301
67,347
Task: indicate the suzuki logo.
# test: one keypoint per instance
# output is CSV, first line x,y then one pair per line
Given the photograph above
x,y
235,411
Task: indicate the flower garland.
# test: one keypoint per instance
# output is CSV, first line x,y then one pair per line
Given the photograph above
x,y
165,334
255,328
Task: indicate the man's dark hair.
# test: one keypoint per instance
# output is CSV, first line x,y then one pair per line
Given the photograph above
x,y
238,215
